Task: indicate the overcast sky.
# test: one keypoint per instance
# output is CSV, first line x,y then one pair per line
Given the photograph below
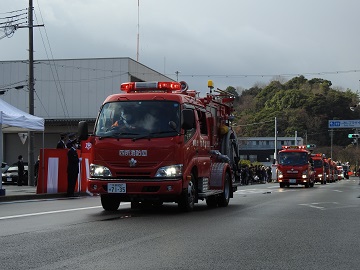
x,y
236,43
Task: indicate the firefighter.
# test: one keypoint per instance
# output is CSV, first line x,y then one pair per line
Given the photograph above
x,y
121,118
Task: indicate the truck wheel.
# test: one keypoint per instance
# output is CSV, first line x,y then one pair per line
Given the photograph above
x,y
110,202
157,204
224,198
211,201
134,204
282,185
187,198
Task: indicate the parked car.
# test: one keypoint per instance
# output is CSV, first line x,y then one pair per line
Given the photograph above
x,y
4,166
10,176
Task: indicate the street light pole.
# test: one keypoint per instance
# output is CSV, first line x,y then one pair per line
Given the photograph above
x,y
275,142
31,95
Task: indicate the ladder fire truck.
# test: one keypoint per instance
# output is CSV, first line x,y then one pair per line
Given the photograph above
x,y
159,142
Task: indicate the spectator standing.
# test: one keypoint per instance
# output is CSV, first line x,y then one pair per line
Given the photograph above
x,y
72,168
269,174
36,169
61,144
20,164
71,139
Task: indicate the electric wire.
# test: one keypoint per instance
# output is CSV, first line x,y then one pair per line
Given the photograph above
x,y
56,80
9,12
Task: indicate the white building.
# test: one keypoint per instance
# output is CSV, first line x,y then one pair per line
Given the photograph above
x,y
66,91
262,149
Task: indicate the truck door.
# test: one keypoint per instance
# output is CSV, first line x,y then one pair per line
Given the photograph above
x,y
204,145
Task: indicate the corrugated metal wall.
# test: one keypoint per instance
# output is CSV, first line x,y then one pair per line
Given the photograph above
x,y
65,89
70,88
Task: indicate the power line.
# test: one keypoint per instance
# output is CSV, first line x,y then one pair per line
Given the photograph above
x,y
56,80
271,75
9,12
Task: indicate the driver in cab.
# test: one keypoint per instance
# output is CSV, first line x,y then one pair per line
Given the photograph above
x,y
121,118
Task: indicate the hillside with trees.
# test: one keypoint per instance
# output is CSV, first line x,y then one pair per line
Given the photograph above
x,y
299,105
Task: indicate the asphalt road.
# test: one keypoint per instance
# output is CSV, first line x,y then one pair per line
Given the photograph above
x,y
264,227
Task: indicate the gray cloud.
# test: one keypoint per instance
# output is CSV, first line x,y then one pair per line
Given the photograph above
x,y
232,42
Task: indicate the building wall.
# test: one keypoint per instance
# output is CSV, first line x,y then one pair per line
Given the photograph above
x,y
262,149
70,88
66,90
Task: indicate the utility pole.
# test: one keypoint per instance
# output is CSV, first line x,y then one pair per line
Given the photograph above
x,y
275,143
31,181
177,75
332,138
138,34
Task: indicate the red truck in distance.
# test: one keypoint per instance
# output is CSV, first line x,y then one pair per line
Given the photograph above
x,y
319,167
295,167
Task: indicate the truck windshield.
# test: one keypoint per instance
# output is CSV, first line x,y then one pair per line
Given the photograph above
x,y
138,119
293,158
318,163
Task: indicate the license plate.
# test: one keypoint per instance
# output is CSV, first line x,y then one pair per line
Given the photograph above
x,y
9,179
292,181
116,188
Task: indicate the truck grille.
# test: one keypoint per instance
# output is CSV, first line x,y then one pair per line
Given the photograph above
x,y
124,165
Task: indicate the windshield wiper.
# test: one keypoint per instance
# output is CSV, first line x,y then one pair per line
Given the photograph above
x,y
147,136
118,135
151,135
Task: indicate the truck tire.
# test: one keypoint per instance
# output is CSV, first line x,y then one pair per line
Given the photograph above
x,y
187,198
110,202
230,148
134,204
224,198
211,201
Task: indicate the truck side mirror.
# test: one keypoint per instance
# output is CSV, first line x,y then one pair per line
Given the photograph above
x,y
83,131
187,119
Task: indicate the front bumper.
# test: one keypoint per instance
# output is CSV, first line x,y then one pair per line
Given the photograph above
x,y
139,188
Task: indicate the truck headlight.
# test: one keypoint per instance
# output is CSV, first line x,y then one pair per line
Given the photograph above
x,y
305,174
99,171
170,171
280,174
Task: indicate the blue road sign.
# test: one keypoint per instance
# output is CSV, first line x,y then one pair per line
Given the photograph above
x,y
344,123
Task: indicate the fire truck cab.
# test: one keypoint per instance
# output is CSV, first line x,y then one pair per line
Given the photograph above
x,y
158,142
295,167
319,167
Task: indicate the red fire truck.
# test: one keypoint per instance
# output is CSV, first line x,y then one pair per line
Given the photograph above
x,y
319,167
327,170
159,142
295,167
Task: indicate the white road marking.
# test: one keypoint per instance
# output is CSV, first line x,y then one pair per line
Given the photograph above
x,y
315,205
49,212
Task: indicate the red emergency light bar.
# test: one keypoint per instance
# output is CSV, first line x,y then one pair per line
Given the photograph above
x,y
294,147
317,155
150,86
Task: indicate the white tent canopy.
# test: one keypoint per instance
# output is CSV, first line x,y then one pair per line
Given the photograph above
x,y
14,120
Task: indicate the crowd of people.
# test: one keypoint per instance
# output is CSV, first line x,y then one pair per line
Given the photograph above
x,y
255,174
